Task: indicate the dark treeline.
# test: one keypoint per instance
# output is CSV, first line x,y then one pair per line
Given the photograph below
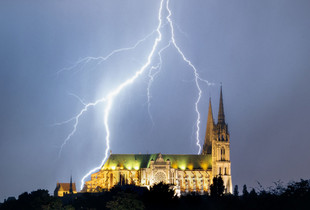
x,y
295,195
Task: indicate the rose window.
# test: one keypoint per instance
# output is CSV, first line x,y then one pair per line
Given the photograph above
x,y
160,177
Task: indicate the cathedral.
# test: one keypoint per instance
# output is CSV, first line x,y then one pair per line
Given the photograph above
x,y
187,173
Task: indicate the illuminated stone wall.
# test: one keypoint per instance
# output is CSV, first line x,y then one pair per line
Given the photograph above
x,y
188,173
64,188
185,178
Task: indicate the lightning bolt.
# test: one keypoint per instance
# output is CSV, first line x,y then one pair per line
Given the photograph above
x,y
115,92
78,98
76,121
196,75
153,71
82,62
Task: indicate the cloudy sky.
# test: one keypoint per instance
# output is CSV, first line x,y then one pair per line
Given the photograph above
x,y
258,50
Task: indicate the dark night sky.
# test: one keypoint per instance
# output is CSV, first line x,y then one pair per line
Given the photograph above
x,y
259,50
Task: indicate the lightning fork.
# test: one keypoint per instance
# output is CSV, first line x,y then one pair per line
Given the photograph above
x,y
110,97
151,79
76,121
101,59
196,75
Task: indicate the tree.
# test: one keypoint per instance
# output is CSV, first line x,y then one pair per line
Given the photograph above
x,y
236,191
298,189
39,199
162,191
245,191
98,189
253,194
159,192
217,187
124,201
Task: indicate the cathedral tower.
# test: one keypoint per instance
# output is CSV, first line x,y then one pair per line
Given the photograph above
x,y
217,143
188,173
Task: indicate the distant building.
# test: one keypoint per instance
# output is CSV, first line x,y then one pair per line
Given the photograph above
x,y
188,173
64,188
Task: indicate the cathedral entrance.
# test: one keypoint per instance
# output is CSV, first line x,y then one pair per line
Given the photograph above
x,y
160,177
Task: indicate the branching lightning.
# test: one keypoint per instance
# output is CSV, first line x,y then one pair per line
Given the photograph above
x,y
195,74
101,59
115,92
153,71
76,121
78,98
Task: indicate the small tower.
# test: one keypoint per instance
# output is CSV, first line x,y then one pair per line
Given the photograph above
x,y
221,148
71,188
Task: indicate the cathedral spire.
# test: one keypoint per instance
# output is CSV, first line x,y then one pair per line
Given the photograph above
x,y
71,188
221,116
210,115
208,138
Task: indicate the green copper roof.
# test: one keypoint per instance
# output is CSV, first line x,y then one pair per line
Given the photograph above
x,y
137,161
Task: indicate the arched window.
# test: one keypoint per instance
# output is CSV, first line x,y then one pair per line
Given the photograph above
x,y
222,153
225,172
220,170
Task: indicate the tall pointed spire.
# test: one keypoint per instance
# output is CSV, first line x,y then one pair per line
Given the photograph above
x,y
208,138
221,116
71,188
210,116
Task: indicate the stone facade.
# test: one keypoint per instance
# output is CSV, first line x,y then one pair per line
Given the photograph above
x,y
63,189
187,173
